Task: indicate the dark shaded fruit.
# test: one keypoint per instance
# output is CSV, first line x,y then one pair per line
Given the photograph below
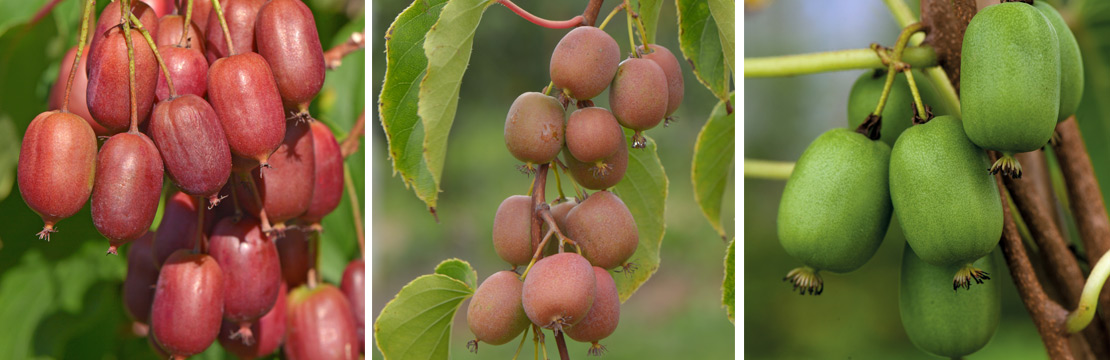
x,y
142,275
188,69
193,145
593,134
169,34
178,228
605,229
559,291
1071,62
294,254
109,19
586,174
241,89
77,104
670,65
512,230
534,128
128,187
57,165
584,62
185,316
604,315
318,325
286,188
240,16
328,188
941,321
202,9
161,7
252,271
353,286
898,111
269,332
108,94
285,34
496,315
639,94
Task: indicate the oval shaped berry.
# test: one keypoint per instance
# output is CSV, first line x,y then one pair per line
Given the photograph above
x,y
240,16
252,272
495,314
193,145
202,9
109,20
241,89
534,128
293,253
595,177
128,187
178,228
285,34
328,185
161,7
169,34
77,104
286,187
142,275
898,111
584,62
670,65
319,325
353,286
639,95
593,134
604,315
185,315
1071,62
57,166
108,93
559,213
187,68
269,332
559,291
512,230
605,229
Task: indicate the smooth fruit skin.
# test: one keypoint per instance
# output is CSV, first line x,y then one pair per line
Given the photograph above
x,y
128,186
534,128
605,229
109,19
57,165
593,134
241,89
319,325
559,290
584,62
286,188
948,207
941,321
252,271
77,104
670,65
170,28
512,226
108,93
142,275
178,228
328,188
269,332
240,16
185,315
193,145
353,286
1071,62
638,97
202,9
495,314
898,111
293,253
604,315
188,69
285,34
1010,78
584,174
836,207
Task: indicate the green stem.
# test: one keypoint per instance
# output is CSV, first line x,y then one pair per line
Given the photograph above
x,y
916,95
610,17
157,55
124,9
789,65
521,346
901,12
185,25
89,5
896,64
889,84
558,180
223,25
631,40
905,17
765,169
640,26
1079,319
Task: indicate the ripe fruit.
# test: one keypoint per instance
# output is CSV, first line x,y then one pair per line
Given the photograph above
x,y
512,230
109,20
354,287
943,322
185,316
318,325
836,207
638,97
950,211
178,229
241,89
193,145
495,314
584,173
584,62
142,275
201,10
559,291
108,93
188,69
161,7
252,272
670,65
593,135
269,331
285,34
57,163
559,212
294,255
605,229
127,188
328,186
240,16
77,104
1071,62
286,188
1010,82
534,128
169,33
898,111
603,317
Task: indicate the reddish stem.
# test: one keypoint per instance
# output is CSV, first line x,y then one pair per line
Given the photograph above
x,y
350,144
334,56
550,24
89,5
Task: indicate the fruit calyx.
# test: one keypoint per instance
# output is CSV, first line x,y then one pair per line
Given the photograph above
x,y
966,275
1007,165
806,279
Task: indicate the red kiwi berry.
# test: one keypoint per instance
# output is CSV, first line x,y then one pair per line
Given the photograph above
x,y
584,62
127,189
603,317
161,7
671,68
188,302
201,10
512,230
57,166
108,93
269,332
252,272
77,104
193,145
178,228
187,68
594,135
534,128
318,325
286,188
638,97
241,89
559,211
294,255
585,174
605,229
169,33
109,20
328,188
353,286
495,314
240,16
559,290
285,34
142,275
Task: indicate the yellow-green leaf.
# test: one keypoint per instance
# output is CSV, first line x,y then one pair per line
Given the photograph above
x,y
416,324
644,191
713,159
701,46
724,13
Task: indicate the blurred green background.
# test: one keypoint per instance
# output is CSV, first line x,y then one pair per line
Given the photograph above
x,y
61,299
675,315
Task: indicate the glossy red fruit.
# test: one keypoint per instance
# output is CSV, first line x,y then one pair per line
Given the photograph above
x,y
178,229
188,69
193,145
153,342
286,188
142,275
240,16
169,33
318,325
241,89
77,104
354,287
294,254
109,19
671,68
593,134
108,92
285,34
638,96
57,163
252,272
185,315
269,332
201,10
604,315
559,291
161,7
128,187
328,188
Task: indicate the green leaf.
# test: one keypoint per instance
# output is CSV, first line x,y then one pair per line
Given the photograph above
x,y
459,270
701,46
649,15
1092,33
398,101
724,13
644,191
728,287
713,157
9,155
417,323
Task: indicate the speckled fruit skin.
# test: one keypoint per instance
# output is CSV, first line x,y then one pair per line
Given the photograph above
x,y
328,188
836,207
605,229
353,286
949,208
241,89
534,128
670,65
202,9
57,165
285,34
293,253
240,16
559,290
319,325
178,228
269,332
495,314
604,315
252,271
188,69
1010,78
593,134
128,187
77,104
108,94
559,212
512,226
286,188
142,275
169,33
638,97
109,19
941,321
185,316
1071,62
584,62
898,112
584,175
192,143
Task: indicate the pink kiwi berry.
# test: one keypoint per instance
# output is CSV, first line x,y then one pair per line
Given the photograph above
x,y
188,302
294,256
603,317
142,275
252,272
586,174
286,187
328,184
188,70
512,230
127,189
495,314
638,97
318,325
671,68
354,287
109,20
241,89
108,92
178,228
240,16
594,135
193,145
559,290
584,62
57,166
285,34
534,128
77,104
269,332
605,229
169,33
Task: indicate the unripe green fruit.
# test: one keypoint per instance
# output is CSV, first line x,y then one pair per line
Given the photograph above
x,y
604,315
945,322
495,314
605,229
584,61
1071,62
1010,78
534,128
898,111
512,230
559,290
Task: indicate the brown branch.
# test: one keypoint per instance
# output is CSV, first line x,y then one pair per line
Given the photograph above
x,y
334,56
539,188
592,9
945,22
351,143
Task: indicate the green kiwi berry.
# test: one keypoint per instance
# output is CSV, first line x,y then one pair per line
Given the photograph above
x,y
898,112
1071,62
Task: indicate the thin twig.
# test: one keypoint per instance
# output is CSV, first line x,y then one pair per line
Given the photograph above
x,y
334,56
350,144
592,9
352,196
550,24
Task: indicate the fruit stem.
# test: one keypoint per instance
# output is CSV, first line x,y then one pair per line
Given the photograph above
x,y
631,38
558,181
223,25
550,24
334,56
550,85
905,17
1078,319
639,26
157,55
521,346
266,226
124,10
89,5
767,169
536,256
313,254
562,343
802,64
590,17
916,95
539,188
352,196
185,24
350,144
610,16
